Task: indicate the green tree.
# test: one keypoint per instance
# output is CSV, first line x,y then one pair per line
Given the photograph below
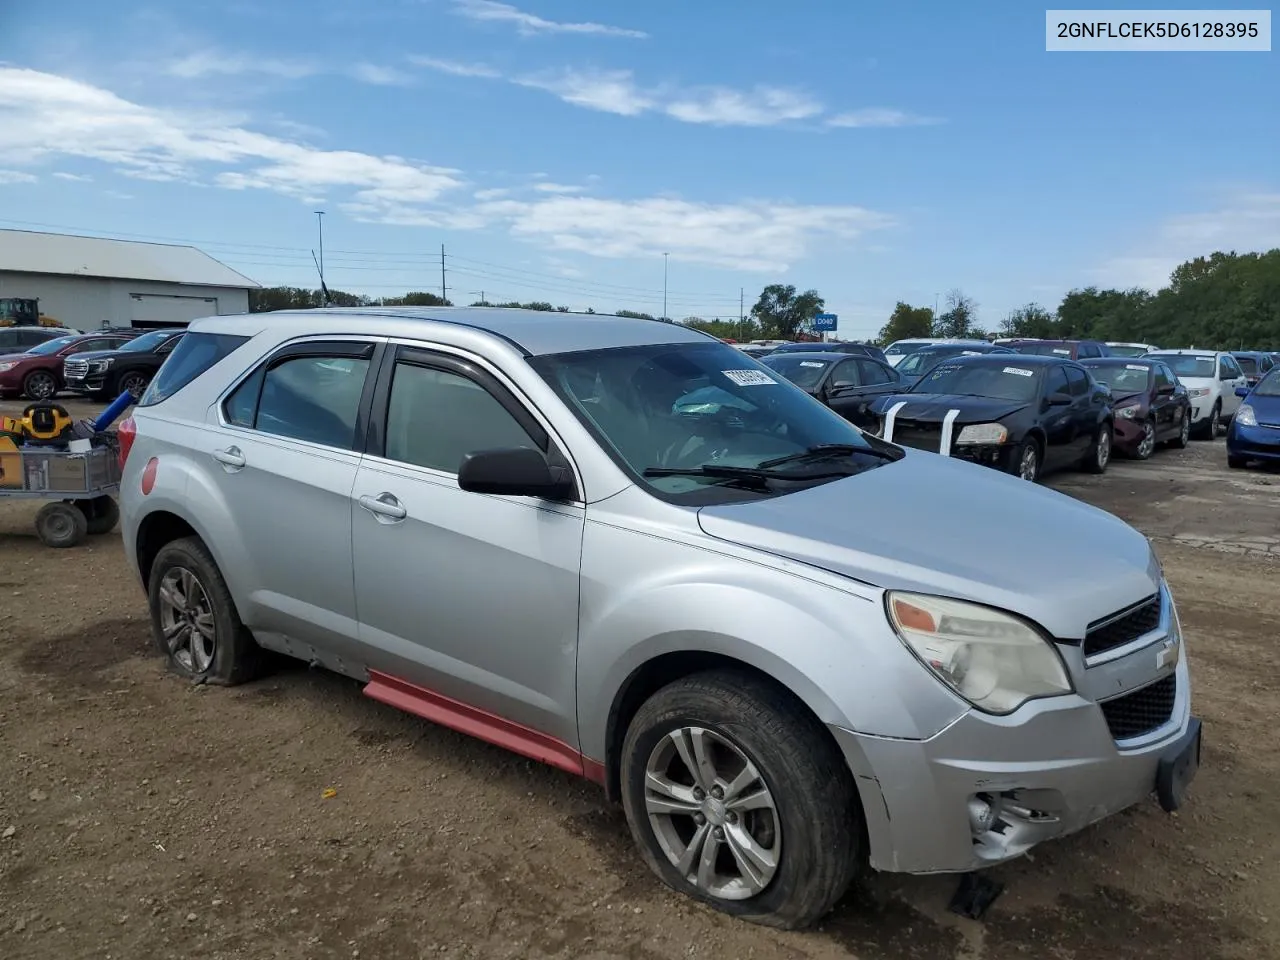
x,y
906,323
782,313
635,316
960,318
1093,314
417,298
1031,320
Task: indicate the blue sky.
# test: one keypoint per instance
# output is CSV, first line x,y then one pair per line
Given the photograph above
x,y
557,148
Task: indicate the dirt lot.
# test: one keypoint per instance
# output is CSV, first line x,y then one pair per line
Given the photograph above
x,y
143,817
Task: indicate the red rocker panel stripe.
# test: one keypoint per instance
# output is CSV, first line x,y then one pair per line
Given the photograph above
x,y
480,724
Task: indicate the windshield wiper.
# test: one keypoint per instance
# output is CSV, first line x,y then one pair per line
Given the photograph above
x,y
822,450
755,476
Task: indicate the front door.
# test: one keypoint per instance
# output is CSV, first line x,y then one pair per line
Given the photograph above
x,y
1232,376
1059,421
471,598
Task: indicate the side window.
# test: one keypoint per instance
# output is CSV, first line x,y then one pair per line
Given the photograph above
x,y
313,398
1055,381
1164,376
873,373
168,345
1227,369
1077,382
31,338
95,343
436,417
846,374
8,339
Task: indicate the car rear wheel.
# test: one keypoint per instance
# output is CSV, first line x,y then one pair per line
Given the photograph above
x,y
134,383
1184,431
39,385
194,620
738,797
1147,445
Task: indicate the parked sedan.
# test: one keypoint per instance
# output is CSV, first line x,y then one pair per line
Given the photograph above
x,y
1023,415
37,374
1254,433
1150,405
846,384
834,346
920,362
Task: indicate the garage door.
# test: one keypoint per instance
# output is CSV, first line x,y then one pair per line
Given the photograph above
x,y
154,310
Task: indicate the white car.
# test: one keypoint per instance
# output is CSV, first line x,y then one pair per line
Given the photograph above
x,y
1130,349
897,351
1211,378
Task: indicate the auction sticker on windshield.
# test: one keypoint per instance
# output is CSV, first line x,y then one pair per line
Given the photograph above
x,y
1019,371
1135,366
812,363
1061,352
749,378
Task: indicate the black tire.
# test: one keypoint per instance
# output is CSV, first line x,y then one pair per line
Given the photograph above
x,y
1211,426
1098,457
1237,463
1184,432
236,656
1149,429
40,385
60,525
102,514
1028,448
134,381
816,801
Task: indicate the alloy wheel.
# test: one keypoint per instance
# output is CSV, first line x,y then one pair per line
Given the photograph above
x,y
712,813
135,384
1184,432
1029,464
186,620
40,386
1215,423
1147,445
1103,453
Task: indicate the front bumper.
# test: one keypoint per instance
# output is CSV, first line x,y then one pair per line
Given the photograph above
x,y
90,384
1257,443
1048,770
1201,408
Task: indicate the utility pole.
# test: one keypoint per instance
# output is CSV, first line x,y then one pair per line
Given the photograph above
x,y
444,294
664,285
742,317
320,265
483,301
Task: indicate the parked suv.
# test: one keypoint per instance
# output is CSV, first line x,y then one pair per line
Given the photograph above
x,y
106,374
711,609
1211,378
37,374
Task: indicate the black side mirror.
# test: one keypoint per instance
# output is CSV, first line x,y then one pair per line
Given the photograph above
x,y
1059,399
515,472
1165,389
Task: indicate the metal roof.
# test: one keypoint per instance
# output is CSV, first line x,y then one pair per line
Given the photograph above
x,y
535,332
26,251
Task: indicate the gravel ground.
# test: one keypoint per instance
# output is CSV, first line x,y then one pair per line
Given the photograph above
x,y
143,817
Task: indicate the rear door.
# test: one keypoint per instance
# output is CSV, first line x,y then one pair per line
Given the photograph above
x,y
1058,421
283,456
1164,403
1084,412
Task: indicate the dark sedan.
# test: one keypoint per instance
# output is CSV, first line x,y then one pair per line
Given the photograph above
x,y
921,361
1254,433
1025,415
833,346
1150,405
847,384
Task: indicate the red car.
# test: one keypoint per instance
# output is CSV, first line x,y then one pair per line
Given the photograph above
x,y
37,374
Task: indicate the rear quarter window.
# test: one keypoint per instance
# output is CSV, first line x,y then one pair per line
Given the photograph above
x,y
193,355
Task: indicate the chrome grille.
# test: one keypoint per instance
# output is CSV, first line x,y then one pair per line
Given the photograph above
x,y
75,368
1141,711
1122,627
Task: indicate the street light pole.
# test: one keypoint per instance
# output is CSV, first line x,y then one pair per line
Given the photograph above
x,y
320,226
664,285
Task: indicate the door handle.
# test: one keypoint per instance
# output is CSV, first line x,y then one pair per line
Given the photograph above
x,y
230,457
385,507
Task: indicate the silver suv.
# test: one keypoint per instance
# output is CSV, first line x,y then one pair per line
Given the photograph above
x,y
625,549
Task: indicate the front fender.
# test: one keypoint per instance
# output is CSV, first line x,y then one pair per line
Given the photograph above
x,y
643,597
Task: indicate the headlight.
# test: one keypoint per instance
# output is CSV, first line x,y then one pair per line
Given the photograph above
x,y
1129,412
100,364
7,366
983,433
1244,416
1196,392
993,660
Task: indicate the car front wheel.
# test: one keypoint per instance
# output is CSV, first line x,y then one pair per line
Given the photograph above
x,y
194,620
738,797
1099,456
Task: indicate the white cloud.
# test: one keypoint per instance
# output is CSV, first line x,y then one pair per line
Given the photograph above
x,y
16,176
1247,221
455,68
557,188
72,176
493,193
529,24
762,106
878,117
754,236
610,91
209,63
43,116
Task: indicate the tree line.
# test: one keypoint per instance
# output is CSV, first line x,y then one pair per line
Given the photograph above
x,y
1225,301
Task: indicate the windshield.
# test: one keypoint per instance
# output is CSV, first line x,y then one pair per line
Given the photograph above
x,y
1127,350
1247,364
148,341
921,361
1129,378
686,405
1002,381
1186,365
805,347
903,347
800,371
1049,349
1268,386
51,346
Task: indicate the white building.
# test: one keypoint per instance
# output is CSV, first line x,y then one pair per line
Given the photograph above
x,y
89,282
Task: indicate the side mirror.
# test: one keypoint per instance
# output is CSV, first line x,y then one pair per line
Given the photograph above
x,y
1059,399
1166,389
1242,391
514,472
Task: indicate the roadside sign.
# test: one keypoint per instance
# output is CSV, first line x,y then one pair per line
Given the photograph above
x,y
824,322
